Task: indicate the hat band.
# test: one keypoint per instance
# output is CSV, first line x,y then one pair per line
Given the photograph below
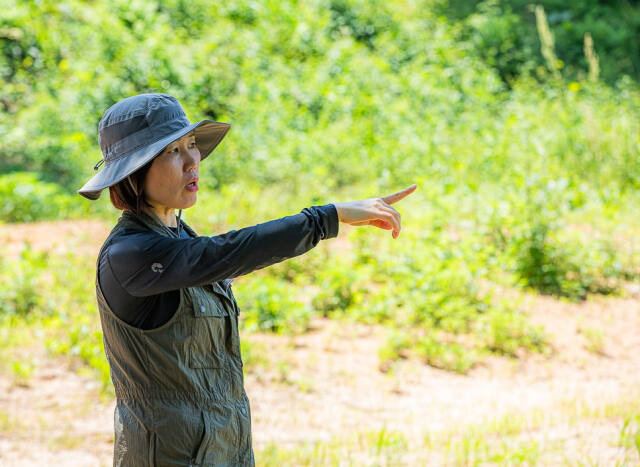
x,y
146,137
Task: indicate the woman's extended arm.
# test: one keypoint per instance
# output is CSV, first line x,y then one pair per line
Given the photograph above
x,y
146,263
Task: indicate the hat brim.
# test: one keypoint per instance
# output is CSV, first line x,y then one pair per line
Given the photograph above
x,y
208,135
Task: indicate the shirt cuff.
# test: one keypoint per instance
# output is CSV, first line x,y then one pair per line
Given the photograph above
x,y
329,220
334,221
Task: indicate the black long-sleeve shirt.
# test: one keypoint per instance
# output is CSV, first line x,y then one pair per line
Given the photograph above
x,y
137,294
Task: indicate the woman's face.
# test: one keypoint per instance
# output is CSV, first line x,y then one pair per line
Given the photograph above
x,y
172,179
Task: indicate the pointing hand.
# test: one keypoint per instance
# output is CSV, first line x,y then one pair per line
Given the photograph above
x,y
374,211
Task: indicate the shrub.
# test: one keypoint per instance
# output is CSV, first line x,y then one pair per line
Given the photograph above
x,y
270,304
507,333
569,264
22,283
445,355
26,198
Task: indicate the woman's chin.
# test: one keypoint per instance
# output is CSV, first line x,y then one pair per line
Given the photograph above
x,y
189,201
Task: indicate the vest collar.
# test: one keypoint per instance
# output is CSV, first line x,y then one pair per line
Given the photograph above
x,y
156,225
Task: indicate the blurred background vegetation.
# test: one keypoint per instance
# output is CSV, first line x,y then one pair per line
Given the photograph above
x,y
332,92
518,121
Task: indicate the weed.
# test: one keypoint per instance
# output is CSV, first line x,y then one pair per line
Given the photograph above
x,y
594,340
507,333
22,372
22,281
630,433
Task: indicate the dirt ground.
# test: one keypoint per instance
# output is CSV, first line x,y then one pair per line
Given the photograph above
x,y
79,236
326,385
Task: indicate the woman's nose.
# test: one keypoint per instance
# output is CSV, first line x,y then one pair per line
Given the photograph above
x,y
193,159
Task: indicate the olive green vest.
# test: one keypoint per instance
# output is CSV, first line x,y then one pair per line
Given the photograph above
x,y
179,387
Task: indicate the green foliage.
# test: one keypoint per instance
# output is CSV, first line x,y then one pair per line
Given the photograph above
x,y
25,198
396,346
507,333
340,287
56,295
253,354
504,33
363,21
272,305
22,372
566,267
546,267
79,336
446,355
336,92
22,282
379,447
531,226
494,31
74,327
594,340
630,432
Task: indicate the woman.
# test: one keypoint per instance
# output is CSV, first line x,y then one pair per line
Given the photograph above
x,y
168,314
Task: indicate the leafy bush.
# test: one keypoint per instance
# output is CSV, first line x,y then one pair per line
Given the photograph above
x,y
272,305
507,333
431,292
22,283
397,346
25,198
569,266
341,287
504,33
446,355
546,267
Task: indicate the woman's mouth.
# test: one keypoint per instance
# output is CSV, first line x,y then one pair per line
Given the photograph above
x,y
193,186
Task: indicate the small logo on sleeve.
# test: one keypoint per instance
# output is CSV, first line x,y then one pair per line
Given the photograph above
x,y
157,267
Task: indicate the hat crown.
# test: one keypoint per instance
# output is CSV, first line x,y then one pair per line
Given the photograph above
x,y
136,120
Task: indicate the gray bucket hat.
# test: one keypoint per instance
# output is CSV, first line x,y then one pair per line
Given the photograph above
x,y
138,128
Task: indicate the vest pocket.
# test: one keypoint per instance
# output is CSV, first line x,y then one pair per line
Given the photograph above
x,y
204,443
218,446
245,449
152,449
205,306
208,334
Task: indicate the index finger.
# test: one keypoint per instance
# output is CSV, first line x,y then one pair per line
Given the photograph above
x,y
390,199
